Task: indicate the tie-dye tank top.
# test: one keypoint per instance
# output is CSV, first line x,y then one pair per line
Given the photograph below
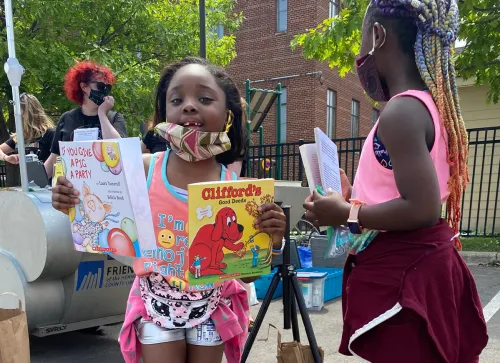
x,y
170,301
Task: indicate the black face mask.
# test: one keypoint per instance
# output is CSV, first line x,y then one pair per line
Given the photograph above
x,y
97,96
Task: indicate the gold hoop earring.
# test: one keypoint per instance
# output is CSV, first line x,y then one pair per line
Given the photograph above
x,y
229,122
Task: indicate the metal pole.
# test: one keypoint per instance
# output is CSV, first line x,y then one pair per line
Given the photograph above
x,y
203,35
261,142
14,72
278,133
249,119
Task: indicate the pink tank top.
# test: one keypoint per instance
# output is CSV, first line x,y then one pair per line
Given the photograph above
x,y
169,300
169,209
375,184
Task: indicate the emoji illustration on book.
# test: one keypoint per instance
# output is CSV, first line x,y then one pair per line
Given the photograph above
x,y
166,238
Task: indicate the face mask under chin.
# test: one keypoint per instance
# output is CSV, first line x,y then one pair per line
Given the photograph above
x,y
193,145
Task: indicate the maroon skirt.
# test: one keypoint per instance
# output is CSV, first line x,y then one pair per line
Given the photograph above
x,y
421,276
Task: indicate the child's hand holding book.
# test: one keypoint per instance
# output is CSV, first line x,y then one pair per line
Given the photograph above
x,y
327,210
318,205
272,221
64,196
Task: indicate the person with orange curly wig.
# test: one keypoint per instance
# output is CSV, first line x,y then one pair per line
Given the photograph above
x,y
89,85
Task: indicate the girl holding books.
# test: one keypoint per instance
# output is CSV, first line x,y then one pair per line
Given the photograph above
x,y
407,294
164,322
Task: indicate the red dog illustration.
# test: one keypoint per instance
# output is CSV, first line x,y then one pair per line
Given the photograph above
x,y
210,240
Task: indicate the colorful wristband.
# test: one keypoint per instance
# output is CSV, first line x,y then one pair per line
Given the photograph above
x,y
279,252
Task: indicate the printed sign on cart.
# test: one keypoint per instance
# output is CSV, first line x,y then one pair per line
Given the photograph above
x,y
94,275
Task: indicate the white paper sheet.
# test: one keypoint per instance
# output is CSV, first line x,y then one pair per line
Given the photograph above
x,y
328,161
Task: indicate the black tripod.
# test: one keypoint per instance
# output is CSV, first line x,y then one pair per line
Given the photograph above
x,y
291,291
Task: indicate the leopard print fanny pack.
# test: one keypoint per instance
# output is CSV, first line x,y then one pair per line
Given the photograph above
x,y
172,308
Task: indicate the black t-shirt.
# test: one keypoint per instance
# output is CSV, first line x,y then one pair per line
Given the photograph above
x,y
75,119
40,146
154,142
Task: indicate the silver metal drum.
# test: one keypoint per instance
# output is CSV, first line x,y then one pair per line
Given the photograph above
x,y
62,289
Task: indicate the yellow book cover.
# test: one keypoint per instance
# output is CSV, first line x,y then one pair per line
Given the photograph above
x,y
223,243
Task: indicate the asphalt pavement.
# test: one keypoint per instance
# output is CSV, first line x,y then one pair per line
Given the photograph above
x,y
88,347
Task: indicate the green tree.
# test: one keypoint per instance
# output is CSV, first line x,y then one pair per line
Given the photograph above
x,y
135,38
337,41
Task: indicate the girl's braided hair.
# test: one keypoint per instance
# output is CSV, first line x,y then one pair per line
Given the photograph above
x,y
428,29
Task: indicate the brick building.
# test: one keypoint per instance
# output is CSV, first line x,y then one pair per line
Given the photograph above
x,y
313,94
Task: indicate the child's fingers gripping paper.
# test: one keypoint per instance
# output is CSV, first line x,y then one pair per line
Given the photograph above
x,y
145,266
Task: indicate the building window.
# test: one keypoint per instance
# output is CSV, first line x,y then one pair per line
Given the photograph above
x,y
282,11
331,108
334,8
375,116
283,115
355,118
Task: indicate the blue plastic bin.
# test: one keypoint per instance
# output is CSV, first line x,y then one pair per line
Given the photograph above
x,y
313,288
262,285
333,283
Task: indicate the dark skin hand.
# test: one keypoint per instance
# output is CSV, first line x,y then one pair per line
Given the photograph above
x,y
407,131
64,196
271,220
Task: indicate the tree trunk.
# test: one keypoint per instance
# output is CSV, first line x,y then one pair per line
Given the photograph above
x,y
12,119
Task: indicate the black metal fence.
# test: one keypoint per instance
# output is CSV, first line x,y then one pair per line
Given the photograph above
x,y
283,161
480,204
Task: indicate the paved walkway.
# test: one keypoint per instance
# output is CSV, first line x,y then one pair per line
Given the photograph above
x,y
78,347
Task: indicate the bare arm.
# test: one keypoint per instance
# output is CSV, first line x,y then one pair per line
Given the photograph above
x,y
5,150
406,129
108,131
146,159
49,164
144,148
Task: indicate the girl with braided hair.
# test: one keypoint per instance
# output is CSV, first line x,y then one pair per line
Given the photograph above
x,y
407,294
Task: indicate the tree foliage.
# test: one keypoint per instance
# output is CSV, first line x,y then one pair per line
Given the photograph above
x,y
337,41
480,58
135,38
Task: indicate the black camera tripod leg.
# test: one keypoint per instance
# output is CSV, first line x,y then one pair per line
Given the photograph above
x,y
305,319
260,316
